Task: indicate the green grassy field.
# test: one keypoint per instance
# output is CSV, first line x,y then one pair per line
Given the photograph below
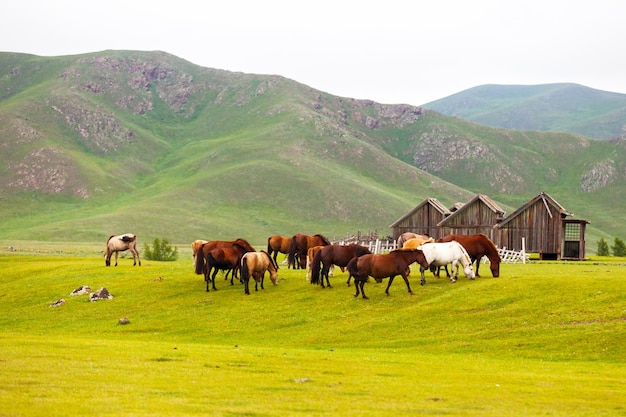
x,y
544,339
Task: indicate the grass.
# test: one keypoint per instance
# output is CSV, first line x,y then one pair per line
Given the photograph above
x,y
544,339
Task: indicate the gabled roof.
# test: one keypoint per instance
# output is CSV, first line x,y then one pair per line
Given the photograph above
x,y
436,204
547,201
479,197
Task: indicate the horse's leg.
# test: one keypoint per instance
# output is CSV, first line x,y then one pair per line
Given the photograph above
x,y
213,278
206,278
406,280
477,265
116,253
423,281
389,285
455,267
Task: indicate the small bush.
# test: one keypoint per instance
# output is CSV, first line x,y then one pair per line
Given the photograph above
x,y
161,251
618,248
603,247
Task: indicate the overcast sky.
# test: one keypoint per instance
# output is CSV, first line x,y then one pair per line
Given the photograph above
x,y
389,51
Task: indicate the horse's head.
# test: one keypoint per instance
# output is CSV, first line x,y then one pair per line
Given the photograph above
x,y
495,269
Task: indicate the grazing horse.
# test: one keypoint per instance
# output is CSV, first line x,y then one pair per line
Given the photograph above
x,y
205,248
224,259
444,253
300,244
379,266
195,245
416,242
477,246
255,264
408,235
329,255
278,243
121,243
310,254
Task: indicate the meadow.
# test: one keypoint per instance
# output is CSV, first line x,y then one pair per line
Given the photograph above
x,y
546,338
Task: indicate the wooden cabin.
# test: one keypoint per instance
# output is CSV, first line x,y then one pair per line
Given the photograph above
x,y
479,215
542,223
423,219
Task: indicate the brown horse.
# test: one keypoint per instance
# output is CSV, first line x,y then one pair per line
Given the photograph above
x,y
278,243
329,255
205,248
408,235
415,242
379,266
310,254
120,243
477,246
255,264
300,244
225,259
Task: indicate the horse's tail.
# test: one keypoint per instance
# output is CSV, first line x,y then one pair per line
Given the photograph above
x,y
291,257
199,264
245,269
353,271
269,245
315,267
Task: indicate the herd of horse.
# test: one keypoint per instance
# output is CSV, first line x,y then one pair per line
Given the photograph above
x,y
319,256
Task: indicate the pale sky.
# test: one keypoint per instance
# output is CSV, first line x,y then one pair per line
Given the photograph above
x,y
391,51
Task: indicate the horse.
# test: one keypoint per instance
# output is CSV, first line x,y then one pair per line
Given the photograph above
x,y
120,243
300,244
415,242
477,246
278,243
310,254
195,245
408,235
329,255
256,264
205,248
444,253
379,266
225,259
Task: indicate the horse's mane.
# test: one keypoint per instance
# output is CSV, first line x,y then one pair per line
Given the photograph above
x,y
326,241
492,248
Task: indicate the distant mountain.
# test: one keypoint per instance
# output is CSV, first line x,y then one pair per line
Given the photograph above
x,y
144,142
563,107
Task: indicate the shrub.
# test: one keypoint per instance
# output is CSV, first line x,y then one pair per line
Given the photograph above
x,y
618,248
603,247
161,251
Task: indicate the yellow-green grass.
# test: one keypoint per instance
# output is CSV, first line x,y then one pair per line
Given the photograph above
x,y
544,339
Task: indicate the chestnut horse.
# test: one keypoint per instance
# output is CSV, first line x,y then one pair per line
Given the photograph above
x,y
205,248
379,266
256,264
329,255
278,243
300,244
477,246
120,243
225,259
310,254
408,235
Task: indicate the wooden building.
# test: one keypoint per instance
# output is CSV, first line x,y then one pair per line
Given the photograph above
x,y
542,223
423,219
479,215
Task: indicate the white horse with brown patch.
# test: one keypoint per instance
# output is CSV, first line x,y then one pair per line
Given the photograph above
x,y
121,243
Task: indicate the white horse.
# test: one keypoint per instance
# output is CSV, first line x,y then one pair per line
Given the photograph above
x,y
120,243
441,254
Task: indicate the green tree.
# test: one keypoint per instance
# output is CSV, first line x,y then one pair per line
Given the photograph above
x,y
603,247
618,248
161,251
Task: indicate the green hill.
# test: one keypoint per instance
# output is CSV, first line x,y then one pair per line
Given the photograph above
x,y
561,107
120,141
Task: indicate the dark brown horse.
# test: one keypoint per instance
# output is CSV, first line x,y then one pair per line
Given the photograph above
x,y
477,246
278,243
121,243
381,266
205,248
256,264
300,244
225,259
329,255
